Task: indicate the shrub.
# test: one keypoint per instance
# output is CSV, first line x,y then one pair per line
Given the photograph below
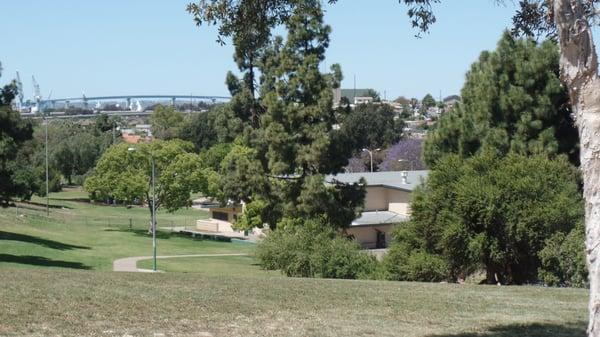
x,y
563,260
311,248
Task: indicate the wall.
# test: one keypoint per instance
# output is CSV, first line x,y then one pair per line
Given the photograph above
x,y
399,201
387,199
367,235
376,199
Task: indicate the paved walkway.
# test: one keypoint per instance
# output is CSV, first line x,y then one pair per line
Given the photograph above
x,y
129,264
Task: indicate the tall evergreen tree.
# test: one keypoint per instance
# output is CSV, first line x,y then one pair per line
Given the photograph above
x,y
278,167
512,100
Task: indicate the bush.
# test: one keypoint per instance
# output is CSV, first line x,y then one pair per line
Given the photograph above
x,y
407,262
563,260
311,248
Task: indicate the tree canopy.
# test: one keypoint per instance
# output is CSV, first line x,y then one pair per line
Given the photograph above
x,y
124,173
487,213
372,126
17,179
166,122
512,100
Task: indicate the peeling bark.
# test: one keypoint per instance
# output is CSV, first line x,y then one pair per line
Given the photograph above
x,y
579,71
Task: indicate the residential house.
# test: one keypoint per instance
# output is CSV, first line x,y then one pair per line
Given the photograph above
x,y
387,203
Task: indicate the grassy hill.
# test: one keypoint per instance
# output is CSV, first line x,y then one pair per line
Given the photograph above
x,y
56,280
70,302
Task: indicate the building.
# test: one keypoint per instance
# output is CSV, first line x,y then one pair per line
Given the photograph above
x,y
387,203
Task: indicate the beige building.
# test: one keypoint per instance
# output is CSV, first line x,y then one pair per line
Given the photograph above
x,y
387,203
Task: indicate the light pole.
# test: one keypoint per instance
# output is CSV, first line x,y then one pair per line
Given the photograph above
x,y
153,211
46,150
371,156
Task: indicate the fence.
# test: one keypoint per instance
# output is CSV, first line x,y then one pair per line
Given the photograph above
x,y
135,221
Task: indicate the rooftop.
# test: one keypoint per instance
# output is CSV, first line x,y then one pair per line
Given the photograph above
x,y
390,179
378,218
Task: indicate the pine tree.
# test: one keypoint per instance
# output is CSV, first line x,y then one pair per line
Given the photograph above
x,y
293,146
512,100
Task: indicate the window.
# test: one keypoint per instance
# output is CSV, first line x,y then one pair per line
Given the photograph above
x,y
220,216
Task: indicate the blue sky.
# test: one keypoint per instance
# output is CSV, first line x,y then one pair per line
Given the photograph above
x,y
153,47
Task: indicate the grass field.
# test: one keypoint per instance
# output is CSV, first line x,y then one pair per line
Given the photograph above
x,y
62,302
56,280
80,235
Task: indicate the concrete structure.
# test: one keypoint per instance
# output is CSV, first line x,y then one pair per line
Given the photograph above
x,y
387,203
221,218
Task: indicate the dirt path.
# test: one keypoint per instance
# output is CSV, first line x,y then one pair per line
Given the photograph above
x,y
129,264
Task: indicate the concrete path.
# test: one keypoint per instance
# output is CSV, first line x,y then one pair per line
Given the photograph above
x,y
129,264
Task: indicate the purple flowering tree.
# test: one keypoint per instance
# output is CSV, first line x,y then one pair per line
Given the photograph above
x,y
404,155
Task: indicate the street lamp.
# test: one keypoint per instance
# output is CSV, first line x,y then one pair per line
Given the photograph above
x,y
371,155
46,150
153,210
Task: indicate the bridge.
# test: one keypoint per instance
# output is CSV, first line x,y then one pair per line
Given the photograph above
x,y
128,98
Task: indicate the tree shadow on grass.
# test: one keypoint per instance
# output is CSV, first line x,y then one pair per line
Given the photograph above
x,y
39,241
528,330
141,232
40,204
41,261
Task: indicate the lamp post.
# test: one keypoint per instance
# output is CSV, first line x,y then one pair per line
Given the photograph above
x,y
153,211
371,156
46,150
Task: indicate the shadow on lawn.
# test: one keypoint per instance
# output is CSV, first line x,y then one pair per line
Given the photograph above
x,y
40,261
39,241
528,330
141,232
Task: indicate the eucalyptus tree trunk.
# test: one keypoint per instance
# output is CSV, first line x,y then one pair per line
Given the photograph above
x,y
579,71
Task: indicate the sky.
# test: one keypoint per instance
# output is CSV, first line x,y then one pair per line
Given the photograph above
x,y
129,47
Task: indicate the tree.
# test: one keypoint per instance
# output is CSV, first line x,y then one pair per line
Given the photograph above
x,y
16,177
74,148
374,94
428,101
512,100
372,126
491,213
166,122
404,155
124,174
277,163
402,100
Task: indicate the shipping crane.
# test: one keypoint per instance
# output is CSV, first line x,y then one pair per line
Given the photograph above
x,y
20,91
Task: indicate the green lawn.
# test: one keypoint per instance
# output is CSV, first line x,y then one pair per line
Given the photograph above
x,y
84,303
242,266
56,280
80,235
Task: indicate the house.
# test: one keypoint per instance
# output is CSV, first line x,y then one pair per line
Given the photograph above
x,y
387,203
